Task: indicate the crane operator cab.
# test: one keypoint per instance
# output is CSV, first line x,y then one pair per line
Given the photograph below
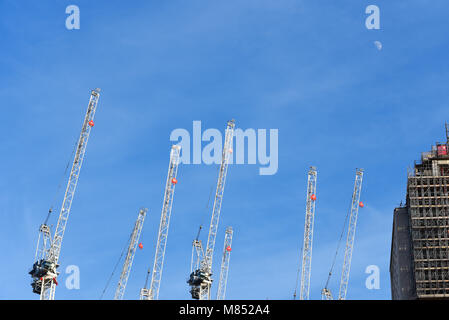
x,y
199,279
43,270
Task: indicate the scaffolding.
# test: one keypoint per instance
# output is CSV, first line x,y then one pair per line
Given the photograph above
x,y
428,202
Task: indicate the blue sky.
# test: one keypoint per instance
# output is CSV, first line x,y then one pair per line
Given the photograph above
x,y
307,68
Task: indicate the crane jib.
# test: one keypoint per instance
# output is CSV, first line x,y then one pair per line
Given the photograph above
x,y
44,271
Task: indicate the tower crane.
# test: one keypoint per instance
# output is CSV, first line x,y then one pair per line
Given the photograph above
x,y
133,243
308,234
224,270
326,294
201,279
44,270
152,293
355,204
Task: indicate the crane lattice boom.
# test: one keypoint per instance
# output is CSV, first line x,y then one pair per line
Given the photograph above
x,y
133,242
153,292
351,234
224,270
200,280
44,271
308,234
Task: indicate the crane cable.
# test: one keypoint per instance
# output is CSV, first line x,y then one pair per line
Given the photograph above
x,y
54,199
204,217
116,265
208,203
338,246
60,184
147,277
297,275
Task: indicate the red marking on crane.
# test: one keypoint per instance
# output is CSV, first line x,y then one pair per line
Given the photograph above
x,y
174,181
43,278
54,280
313,197
361,204
141,245
91,123
228,249
442,150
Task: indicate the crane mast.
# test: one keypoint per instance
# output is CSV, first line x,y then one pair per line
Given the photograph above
x,y
351,234
153,292
326,294
195,265
135,235
308,234
44,271
201,279
224,270
197,252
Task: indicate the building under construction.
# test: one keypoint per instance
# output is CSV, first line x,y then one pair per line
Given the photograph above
x,y
419,261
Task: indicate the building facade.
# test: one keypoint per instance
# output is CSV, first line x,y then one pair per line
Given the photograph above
x,y
419,261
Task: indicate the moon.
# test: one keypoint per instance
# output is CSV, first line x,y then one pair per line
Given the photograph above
x,y
378,45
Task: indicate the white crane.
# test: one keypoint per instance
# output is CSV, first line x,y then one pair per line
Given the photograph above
x,y
201,279
355,204
353,213
224,270
197,252
195,263
44,271
131,252
308,234
152,293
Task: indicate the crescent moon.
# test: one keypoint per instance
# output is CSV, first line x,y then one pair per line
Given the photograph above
x,y
378,45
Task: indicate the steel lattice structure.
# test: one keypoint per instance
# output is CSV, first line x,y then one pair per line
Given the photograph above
x,y
224,270
153,292
326,294
195,265
351,234
44,272
132,248
201,279
308,234
197,255
41,249
197,252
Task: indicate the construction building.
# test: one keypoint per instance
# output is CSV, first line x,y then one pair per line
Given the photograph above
x,y
401,267
419,262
